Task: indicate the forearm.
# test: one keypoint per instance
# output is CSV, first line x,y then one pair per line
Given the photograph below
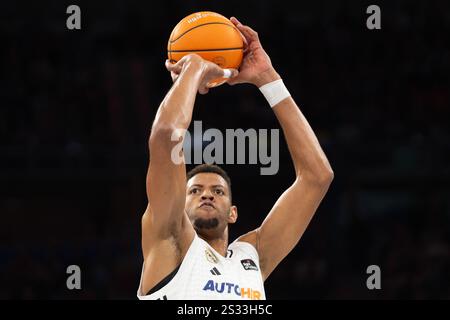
x,y
307,155
175,111
305,150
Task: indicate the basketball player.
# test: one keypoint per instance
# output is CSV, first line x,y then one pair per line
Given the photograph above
x,y
185,226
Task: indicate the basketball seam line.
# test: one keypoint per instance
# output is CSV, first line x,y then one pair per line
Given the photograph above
x,y
200,50
170,50
204,24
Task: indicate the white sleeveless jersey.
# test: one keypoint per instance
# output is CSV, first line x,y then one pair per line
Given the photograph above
x,y
204,274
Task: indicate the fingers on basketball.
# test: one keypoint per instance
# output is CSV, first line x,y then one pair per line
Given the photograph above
x,y
249,33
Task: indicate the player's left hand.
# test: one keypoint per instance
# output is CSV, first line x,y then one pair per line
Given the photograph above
x,y
256,67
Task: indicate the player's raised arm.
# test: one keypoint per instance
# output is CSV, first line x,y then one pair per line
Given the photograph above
x,y
291,214
166,176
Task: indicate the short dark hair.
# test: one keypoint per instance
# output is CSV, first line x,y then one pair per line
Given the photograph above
x,y
210,168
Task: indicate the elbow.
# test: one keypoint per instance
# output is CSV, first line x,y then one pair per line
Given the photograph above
x,y
321,178
324,174
327,176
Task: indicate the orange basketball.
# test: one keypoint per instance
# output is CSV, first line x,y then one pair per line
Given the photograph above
x,y
211,36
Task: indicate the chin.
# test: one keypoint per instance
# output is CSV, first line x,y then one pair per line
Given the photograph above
x,y
201,223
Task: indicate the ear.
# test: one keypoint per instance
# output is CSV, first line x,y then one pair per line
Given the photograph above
x,y
233,214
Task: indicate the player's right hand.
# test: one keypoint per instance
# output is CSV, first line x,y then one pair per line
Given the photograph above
x,y
209,70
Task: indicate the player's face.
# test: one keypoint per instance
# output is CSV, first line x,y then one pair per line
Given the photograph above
x,y
208,201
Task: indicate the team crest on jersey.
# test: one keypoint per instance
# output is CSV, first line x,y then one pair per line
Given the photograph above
x,y
249,264
210,256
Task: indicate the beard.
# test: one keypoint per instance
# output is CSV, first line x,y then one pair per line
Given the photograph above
x,y
201,223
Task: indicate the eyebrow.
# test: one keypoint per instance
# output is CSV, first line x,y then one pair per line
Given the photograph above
x,y
213,186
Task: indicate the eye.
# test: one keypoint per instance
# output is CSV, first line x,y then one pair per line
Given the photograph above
x,y
219,192
194,191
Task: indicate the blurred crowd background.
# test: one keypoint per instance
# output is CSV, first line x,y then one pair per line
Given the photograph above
x,y
76,108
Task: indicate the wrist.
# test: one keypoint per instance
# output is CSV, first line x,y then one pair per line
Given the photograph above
x,y
275,92
195,68
266,77
193,62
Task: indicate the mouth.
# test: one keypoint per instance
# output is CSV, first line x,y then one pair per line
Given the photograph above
x,y
206,205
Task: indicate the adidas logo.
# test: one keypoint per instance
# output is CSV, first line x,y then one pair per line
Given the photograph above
x,y
215,272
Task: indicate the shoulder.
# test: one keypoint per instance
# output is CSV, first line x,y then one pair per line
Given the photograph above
x,y
246,245
248,239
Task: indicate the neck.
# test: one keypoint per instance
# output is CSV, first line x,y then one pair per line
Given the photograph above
x,y
220,244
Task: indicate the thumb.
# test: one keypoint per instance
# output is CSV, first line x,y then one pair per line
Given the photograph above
x,y
174,67
234,78
230,73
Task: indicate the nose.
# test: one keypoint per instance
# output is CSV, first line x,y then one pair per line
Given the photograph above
x,y
207,195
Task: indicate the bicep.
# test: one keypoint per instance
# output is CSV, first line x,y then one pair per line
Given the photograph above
x,y
286,222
